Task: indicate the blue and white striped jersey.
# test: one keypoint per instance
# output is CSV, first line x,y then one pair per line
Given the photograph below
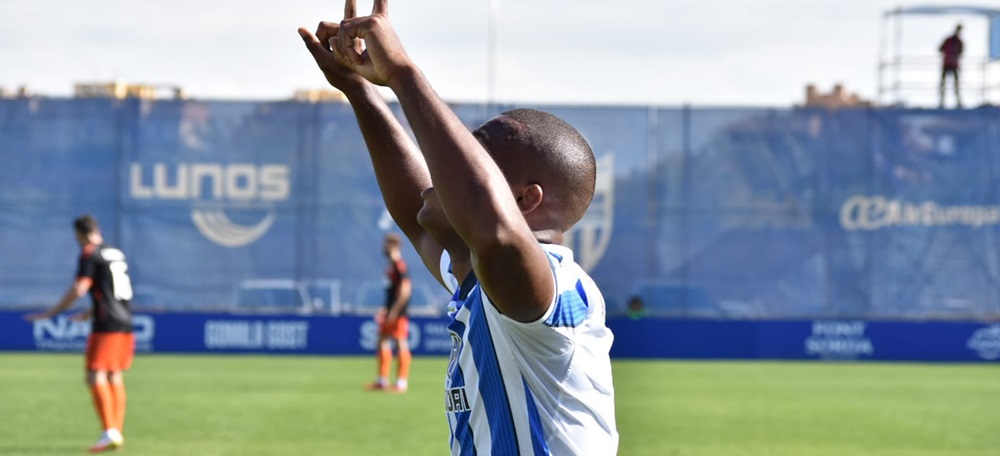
x,y
534,388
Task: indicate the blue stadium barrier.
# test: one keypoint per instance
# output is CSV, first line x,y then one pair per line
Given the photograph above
x,y
868,214
648,338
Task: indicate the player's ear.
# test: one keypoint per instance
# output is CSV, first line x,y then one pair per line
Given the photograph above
x,y
529,198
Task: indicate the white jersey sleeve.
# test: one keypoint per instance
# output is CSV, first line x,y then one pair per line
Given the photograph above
x,y
563,358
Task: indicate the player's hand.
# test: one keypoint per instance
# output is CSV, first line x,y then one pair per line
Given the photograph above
x,y
383,57
380,316
37,316
323,47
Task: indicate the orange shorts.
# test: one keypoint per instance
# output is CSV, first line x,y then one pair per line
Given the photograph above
x,y
398,330
111,351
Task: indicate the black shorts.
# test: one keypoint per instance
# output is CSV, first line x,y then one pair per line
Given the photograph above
x,y
946,70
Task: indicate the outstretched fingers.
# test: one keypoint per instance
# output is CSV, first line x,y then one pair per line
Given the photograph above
x,y
313,43
349,47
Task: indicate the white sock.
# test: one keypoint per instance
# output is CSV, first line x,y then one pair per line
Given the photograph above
x,y
113,434
382,381
401,383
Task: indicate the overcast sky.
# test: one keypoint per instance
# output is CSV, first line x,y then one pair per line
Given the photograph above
x,y
636,52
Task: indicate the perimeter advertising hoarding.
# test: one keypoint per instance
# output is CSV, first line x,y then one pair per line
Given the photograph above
x,y
833,340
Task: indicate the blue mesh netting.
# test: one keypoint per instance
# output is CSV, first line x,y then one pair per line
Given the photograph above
x,y
745,213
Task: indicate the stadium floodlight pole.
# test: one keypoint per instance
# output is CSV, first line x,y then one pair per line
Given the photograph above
x,y
898,58
491,54
882,63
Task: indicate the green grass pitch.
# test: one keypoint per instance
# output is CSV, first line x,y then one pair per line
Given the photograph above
x,y
284,405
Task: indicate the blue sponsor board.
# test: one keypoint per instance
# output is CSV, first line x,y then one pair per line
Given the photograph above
x,y
227,333
833,340
648,338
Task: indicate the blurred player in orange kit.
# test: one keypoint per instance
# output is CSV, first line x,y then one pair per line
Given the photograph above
x,y
103,272
394,324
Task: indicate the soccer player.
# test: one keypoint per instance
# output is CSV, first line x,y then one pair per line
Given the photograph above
x,y
529,371
103,272
393,322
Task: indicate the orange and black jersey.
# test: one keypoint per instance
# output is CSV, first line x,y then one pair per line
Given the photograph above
x,y
396,273
110,289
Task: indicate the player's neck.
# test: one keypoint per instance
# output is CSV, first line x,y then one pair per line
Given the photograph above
x,y
551,236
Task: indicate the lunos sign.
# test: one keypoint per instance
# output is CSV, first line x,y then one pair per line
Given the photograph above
x,y
212,188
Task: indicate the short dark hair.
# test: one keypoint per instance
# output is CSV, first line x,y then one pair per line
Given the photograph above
x,y
532,146
85,224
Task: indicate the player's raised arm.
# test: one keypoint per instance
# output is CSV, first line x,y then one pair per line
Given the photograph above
x,y
475,196
399,167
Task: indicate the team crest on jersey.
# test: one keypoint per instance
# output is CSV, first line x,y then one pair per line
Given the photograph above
x,y
456,347
590,236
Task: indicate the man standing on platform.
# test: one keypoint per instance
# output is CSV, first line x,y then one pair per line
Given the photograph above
x,y
951,51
